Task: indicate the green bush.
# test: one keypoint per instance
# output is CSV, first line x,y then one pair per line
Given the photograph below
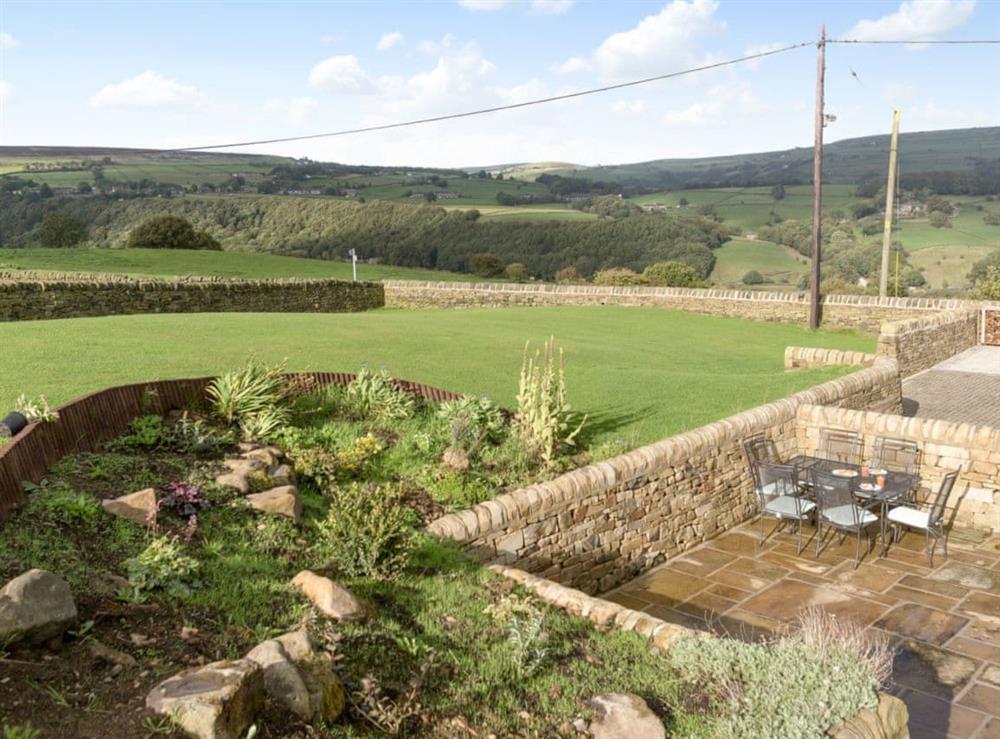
x,y
251,397
937,219
374,396
516,272
473,421
671,274
368,531
486,265
161,566
61,230
170,232
988,288
64,506
753,277
619,276
568,275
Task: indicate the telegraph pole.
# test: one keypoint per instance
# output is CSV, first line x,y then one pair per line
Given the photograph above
x,y
817,229
890,194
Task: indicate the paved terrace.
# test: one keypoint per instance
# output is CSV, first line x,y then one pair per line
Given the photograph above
x,y
945,621
965,388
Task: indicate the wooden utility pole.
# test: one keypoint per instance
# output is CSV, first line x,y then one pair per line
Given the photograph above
x,y
890,197
817,230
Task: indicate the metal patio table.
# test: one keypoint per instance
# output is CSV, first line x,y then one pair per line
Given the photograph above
x,y
897,485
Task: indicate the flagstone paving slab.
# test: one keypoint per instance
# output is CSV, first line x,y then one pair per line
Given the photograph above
x,y
969,576
934,718
783,601
920,622
981,697
984,606
931,669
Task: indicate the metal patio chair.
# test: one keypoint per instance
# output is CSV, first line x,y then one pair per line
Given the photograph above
x,y
838,509
840,446
929,519
779,495
896,455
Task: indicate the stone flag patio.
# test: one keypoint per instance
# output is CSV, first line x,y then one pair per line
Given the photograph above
x,y
945,621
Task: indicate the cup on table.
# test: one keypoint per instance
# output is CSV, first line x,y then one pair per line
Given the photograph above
x,y
865,471
880,481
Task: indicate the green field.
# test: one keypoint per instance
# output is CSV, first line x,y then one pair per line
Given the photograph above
x,y
685,371
779,264
948,266
180,262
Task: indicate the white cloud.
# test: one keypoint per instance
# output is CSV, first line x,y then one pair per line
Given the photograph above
x,y
722,103
897,92
7,41
147,91
6,92
916,20
664,42
760,49
537,7
388,40
293,110
533,89
340,75
629,107
572,65
933,116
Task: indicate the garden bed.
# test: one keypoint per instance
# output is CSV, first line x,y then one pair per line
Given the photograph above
x,y
447,648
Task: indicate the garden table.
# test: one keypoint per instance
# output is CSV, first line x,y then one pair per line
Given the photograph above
x,y
896,489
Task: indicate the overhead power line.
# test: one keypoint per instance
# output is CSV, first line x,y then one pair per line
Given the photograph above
x,y
894,41
498,108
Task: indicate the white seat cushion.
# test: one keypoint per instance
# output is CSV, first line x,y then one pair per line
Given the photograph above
x,y
772,488
910,517
844,515
784,506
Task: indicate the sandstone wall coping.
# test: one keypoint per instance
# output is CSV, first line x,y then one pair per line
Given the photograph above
x,y
807,356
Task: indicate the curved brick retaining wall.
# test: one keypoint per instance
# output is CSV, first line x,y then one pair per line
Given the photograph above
x,y
67,297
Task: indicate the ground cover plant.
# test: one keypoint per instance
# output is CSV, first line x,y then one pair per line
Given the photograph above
x,y
449,648
675,371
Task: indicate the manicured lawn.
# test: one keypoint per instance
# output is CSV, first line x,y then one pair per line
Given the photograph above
x,y
641,373
172,262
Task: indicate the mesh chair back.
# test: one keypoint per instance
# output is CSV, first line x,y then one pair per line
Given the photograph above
x,y
777,480
898,455
937,507
840,446
761,449
832,491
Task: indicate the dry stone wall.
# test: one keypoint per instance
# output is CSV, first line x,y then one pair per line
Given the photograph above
x,y
944,446
797,357
862,312
22,300
991,326
920,342
603,524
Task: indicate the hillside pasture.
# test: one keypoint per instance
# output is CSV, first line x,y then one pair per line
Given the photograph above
x,y
778,264
686,371
948,266
181,262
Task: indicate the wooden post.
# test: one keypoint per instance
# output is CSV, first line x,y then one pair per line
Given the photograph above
x,y
817,227
890,195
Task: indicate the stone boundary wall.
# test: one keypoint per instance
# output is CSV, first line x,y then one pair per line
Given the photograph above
x,y
603,524
888,720
797,357
991,326
920,342
22,300
863,312
944,446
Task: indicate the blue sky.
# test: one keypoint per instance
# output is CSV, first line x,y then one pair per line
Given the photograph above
x,y
189,73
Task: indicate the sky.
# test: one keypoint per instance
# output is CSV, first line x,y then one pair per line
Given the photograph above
x,y
179,74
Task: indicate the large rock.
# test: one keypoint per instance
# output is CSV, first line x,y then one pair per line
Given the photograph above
x,y
283,501
217,701
243,467
889,720
234,480
331,599
35,607
265,457
624,716
298,678
138,507
283,474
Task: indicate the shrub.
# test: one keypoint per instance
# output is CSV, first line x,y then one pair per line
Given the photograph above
x,y
161,566
568,275
545,420
472,422
142,432
368,531
988,288
486,265
937,219
35,409
374,396
671,274
184,498
516,272
524,624
61,230
170,232
992,219
250,397
324,467
618,276
63,506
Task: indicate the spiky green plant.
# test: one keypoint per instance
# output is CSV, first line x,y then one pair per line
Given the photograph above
x,y
251,397
545,420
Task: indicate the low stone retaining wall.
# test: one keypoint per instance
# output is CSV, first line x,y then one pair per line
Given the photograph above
x,y
601,525
862,312
797,357
22,300
944,446
920,342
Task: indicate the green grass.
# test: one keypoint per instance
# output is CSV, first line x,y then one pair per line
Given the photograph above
x,y
175,262
948,266
641,373
737,257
